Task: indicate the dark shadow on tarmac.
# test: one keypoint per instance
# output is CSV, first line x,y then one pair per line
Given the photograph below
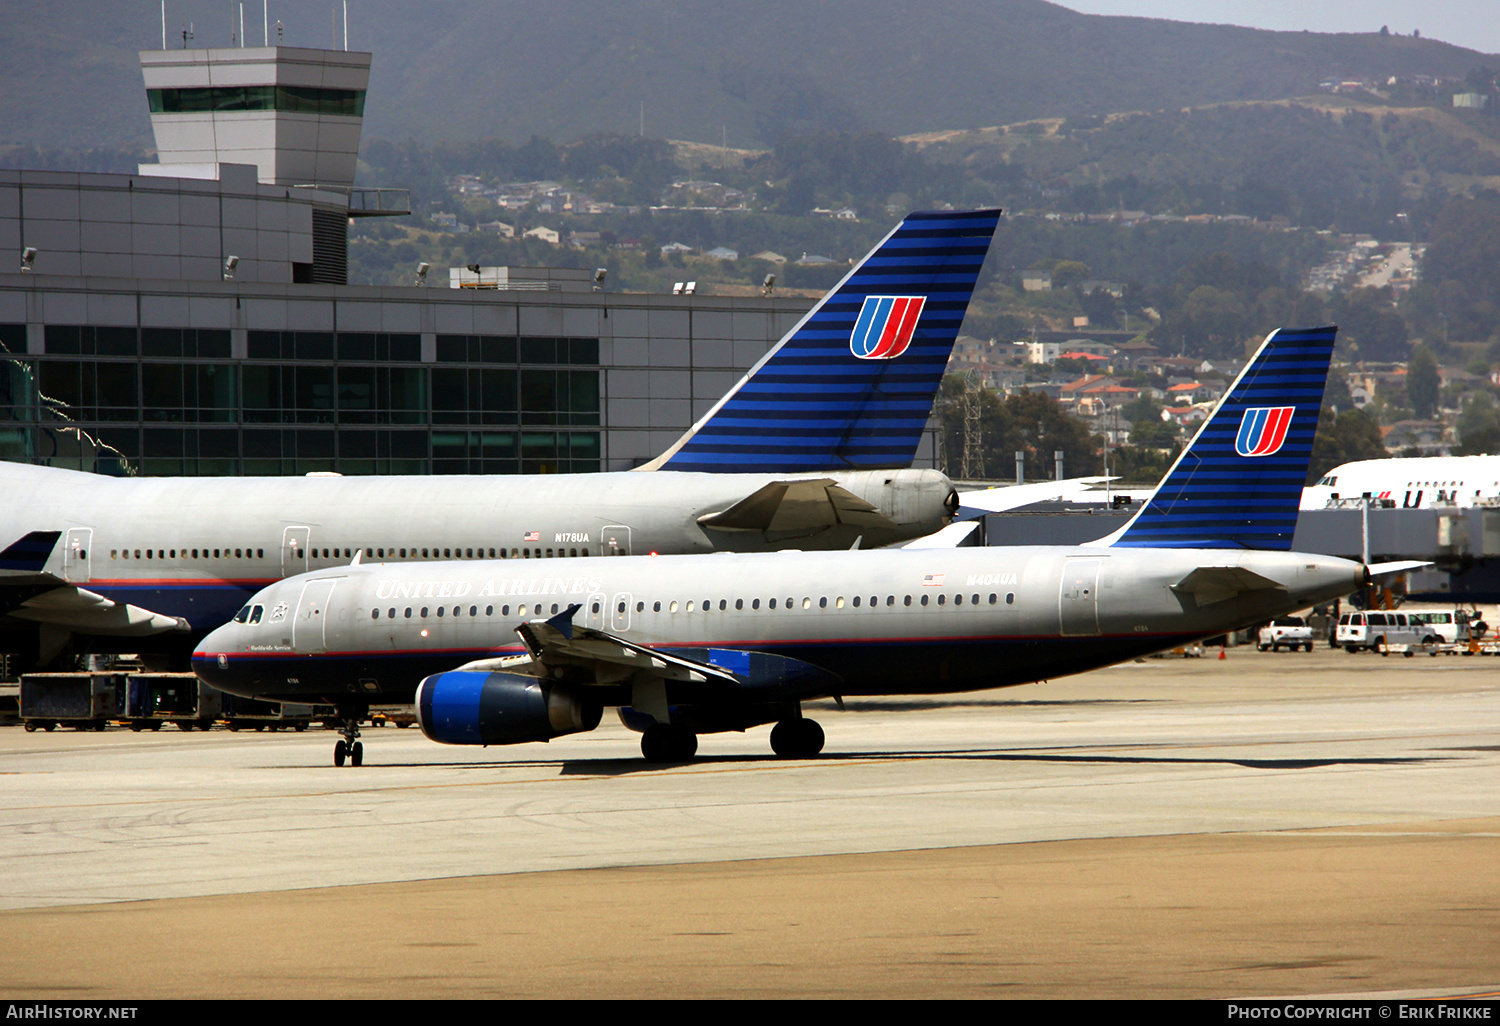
x,y
635,765
857,705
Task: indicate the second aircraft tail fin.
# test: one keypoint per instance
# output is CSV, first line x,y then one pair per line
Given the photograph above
x,y
1239,482
852,384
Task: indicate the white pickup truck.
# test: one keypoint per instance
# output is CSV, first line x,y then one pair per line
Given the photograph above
x,y
1289,632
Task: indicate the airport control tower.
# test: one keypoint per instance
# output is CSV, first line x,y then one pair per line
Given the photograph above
x,y
294,113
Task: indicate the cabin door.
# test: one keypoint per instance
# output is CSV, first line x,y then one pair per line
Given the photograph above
x,y
1078,598
310,628
614,541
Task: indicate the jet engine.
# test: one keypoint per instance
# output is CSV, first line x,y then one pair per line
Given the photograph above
x,y
467,707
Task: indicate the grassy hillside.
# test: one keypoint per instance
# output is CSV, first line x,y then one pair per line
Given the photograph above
x,y
466,69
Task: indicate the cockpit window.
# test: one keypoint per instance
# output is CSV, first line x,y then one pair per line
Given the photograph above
x,y
250,614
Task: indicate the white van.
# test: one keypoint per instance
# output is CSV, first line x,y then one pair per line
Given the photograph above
x,y
1375,630
1446,625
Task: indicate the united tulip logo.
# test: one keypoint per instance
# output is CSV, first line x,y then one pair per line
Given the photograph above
x,y
1263,430
885,327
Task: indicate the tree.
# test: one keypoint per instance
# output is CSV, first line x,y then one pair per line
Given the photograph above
x,y
1422,383
1342,439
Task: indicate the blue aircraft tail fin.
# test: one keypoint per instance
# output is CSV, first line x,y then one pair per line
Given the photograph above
x,y
851,386
30,553
1239,483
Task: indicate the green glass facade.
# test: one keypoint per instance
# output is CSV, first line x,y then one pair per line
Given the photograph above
x,y
173,402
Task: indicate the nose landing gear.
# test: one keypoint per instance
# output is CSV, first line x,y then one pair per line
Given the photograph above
x,y
350,747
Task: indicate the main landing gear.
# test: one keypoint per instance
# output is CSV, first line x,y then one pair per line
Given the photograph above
x,y
349,748
670,742
797,739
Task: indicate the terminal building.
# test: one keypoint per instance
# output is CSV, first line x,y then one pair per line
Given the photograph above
x,y
195,318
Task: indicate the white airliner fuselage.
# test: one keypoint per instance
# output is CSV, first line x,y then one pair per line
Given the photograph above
x,y
1426,482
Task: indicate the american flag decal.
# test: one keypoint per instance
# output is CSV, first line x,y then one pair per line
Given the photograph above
x,y
532,536
933,580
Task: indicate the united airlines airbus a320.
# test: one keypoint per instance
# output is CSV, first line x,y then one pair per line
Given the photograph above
x,y
805,451
498,653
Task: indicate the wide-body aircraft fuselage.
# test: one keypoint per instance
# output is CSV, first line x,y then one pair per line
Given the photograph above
x,y
199,548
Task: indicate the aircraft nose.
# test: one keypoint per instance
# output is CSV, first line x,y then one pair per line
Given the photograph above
x,y
211,658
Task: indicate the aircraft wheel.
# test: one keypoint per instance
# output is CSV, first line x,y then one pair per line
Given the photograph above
x,y
797,739
340,752
357,754
664,742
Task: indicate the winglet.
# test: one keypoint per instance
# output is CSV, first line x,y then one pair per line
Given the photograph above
x,y
852,384
29,554
563,622
1239,482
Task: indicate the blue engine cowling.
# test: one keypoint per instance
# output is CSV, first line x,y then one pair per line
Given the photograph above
x,y
466,707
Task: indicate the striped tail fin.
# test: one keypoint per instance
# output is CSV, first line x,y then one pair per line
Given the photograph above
x,y
851,386
1239,483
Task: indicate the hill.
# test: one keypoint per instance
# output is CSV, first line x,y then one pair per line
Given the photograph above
x,y
455,70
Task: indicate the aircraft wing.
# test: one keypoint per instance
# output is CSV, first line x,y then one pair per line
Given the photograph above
x,y
977,503
796,507
559,648
79,609
29,590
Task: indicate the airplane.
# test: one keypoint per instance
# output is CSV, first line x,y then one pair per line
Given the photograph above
x,y
689,645
1422,482
812,448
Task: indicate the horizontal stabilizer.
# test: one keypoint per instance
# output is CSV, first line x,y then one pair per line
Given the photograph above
x,y
950,537
81,610
798,507
1399,566
1210,584
977,503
